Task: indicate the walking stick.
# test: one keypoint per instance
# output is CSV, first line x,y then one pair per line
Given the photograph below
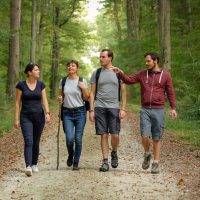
x,y
58,135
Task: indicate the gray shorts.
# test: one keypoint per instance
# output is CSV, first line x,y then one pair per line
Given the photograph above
x,y
107,120
152,122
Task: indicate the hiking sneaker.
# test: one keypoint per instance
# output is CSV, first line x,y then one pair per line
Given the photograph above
x,y
155,168
70,161
114,159
75,166
28,171
35,168
146,162
104,167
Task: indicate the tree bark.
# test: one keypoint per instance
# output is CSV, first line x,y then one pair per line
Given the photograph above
x,y
167,37
136,19
33,32
40,41
130,25
116,17
55,54
13,67
190,15
164,32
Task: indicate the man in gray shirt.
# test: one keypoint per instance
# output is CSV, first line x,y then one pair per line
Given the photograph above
x,y
105,108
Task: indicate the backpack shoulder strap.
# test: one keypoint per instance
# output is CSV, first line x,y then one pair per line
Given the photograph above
x,y
119,87
80,79
63,84
97,79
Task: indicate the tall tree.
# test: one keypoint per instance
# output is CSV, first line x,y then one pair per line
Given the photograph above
x,y
136,14
117,22
13,67
33,32
55,53
164,32
40,38
130,24
58,24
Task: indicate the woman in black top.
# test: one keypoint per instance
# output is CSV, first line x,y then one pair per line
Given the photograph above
x,y
30,100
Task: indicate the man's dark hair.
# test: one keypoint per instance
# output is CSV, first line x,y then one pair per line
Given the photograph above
x,y
110,53
72,61
30,67
153,55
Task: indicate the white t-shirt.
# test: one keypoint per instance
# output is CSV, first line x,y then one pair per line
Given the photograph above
x,y
72,92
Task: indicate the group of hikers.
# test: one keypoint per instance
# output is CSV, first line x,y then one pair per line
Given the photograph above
x,y
107,99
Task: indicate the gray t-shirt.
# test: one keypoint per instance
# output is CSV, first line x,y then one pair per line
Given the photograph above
x,y
73,96
107,92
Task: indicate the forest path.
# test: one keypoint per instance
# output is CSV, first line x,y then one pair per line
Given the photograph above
x,y
179,177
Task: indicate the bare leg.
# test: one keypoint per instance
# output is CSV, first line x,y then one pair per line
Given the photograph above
x,y
156,149
114,141
146,143
104,145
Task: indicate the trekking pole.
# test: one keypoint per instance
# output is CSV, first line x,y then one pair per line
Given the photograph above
x,y
58,135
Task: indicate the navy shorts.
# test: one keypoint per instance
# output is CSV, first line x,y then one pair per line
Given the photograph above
x,y
107,120
152,122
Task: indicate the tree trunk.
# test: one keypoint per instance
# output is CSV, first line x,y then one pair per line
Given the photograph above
x,y
116,17
13,68
33,32
130,25
164,33
136,19
55,54
40,41
167,37
190,15
55,46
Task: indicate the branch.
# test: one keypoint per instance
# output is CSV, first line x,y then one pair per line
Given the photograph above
x,y
70,15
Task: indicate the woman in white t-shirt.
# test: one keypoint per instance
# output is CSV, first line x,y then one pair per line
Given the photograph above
x,y
73,94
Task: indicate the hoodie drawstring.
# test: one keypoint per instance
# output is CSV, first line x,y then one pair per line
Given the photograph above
x,y
148,76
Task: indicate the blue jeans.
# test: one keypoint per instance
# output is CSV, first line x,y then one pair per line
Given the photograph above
x,y
73,123
32,126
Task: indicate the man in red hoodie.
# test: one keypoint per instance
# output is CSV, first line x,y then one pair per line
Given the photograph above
x,y
155,83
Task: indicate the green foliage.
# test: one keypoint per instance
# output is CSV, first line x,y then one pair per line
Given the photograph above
x,y
184,129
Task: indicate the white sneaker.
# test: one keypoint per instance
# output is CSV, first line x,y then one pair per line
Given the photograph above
x,y
35,168
28,171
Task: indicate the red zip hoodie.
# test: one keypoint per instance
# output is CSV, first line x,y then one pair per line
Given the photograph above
x,y
154,85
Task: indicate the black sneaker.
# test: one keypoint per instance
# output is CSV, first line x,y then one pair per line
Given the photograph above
x,y
104,167
70,161
114,159
75,166
146,162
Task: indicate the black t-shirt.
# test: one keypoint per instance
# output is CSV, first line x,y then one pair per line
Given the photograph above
x,y
31,99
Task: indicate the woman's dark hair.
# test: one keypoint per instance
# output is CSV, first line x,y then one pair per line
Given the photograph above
x,y
72,61
110,53
30,67
154,56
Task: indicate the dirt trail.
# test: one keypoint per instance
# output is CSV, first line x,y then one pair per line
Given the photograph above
x,y
128,181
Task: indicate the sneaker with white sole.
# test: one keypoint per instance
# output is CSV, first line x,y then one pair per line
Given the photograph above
x,y
28,171
146,162
35,168
155,168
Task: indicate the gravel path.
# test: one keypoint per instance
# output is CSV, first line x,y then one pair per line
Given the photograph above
x,y
128,181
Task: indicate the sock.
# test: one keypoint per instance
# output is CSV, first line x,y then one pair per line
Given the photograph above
x,y
105,160
156,161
